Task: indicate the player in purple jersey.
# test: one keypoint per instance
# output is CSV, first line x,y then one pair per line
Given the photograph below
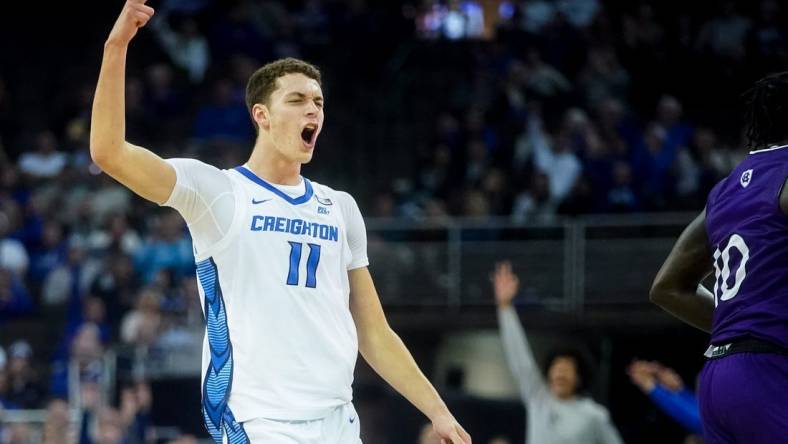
x,y
742,237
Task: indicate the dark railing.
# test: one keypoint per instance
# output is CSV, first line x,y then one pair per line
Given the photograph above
x,y
566,265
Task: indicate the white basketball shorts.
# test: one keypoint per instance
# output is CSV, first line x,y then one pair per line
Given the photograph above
x,y
340,427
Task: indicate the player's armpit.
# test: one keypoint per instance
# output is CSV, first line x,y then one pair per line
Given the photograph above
x,y
676,287
141,171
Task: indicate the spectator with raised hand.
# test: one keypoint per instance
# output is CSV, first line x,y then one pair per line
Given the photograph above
x,y
101,424
666,389
186,46
558,412
135,404
109,427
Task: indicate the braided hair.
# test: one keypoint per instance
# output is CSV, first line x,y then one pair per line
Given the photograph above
x,y
766,114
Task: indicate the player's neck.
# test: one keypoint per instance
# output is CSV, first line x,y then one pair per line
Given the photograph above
x,y
271,166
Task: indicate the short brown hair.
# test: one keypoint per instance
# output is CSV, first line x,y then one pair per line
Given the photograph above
x,y
263,82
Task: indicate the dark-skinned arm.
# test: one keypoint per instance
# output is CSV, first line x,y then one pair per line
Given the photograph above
x,y
784,198
677,286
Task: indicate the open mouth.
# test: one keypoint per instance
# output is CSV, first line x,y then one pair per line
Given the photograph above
x,y
309,134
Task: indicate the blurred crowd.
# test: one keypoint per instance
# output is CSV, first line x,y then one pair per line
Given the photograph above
x,y
528,110
590,106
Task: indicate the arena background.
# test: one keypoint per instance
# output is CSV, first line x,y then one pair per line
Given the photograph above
x,y
573,137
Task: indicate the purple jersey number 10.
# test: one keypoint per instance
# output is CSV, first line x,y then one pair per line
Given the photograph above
x,y
722,269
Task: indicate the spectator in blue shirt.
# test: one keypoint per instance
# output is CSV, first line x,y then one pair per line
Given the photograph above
x,y
666,389
170,248
15,300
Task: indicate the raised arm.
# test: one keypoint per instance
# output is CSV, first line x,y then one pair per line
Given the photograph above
x,y
515,343
677,286
138,169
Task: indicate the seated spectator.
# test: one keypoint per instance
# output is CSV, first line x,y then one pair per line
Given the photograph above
x,y
678,133
143,325
86,352
477,162
45,161
15,300
52,252
115,237
622,196
117,286
653,163
4,402
70,280
24,389
170,247
714,158
533,203
13,254
109,199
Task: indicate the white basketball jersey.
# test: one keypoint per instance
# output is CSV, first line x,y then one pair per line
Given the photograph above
x,y
280,342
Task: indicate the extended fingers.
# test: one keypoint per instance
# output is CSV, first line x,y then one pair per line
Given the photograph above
x,y
466,437
455,438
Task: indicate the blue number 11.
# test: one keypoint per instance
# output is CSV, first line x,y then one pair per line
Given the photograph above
x,y
311,264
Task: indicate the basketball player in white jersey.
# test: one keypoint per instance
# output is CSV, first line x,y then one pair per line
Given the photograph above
x,y
281,264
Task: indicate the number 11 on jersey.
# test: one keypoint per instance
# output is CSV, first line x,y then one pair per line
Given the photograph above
x,y
311,264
